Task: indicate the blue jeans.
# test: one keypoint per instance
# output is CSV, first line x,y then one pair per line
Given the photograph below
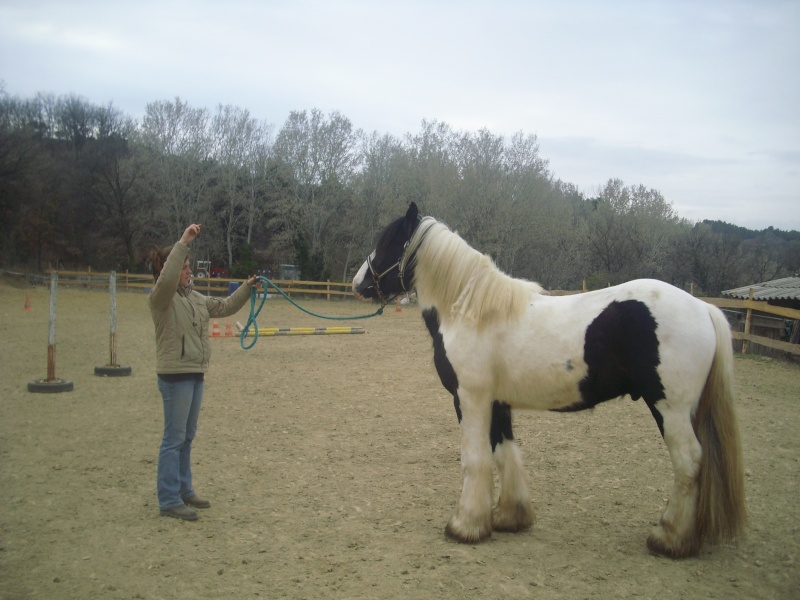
x,y
182,402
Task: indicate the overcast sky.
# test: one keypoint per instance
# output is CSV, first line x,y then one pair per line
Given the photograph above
x,y
698,99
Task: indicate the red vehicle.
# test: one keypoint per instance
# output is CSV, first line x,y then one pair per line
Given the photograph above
x,y
203,269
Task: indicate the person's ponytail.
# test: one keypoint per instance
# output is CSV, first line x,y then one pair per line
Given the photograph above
x,y
157,257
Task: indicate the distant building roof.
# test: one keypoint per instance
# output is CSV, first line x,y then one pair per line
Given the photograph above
x,y
787,288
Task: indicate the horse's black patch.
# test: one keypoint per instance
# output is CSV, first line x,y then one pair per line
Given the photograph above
x,y
621,352
501,424
443,367
501,412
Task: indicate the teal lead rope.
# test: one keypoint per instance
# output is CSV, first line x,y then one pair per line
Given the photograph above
x,y
254,312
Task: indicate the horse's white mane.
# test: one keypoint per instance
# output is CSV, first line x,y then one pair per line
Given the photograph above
x,y
460,281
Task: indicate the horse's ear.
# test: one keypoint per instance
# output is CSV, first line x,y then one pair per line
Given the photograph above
x,y
413,212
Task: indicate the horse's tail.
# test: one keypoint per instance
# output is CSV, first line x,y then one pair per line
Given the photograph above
x,y
721,511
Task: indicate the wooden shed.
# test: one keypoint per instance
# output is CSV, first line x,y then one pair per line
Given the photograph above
x,y
779,293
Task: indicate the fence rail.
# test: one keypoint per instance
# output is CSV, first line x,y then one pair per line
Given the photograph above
x,y
759,306
334,290
207,285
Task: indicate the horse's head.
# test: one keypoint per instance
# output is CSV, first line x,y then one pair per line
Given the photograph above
x,y
387,272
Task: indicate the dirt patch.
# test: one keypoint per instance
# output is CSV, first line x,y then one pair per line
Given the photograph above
x,y
332,463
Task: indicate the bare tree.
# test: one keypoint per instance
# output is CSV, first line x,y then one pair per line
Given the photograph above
x,y
257,185
235,137
376,196
431,178
763,258
180,167
322,154
114,167
652,232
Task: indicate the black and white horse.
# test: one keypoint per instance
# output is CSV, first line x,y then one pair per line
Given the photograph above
x,y
501,343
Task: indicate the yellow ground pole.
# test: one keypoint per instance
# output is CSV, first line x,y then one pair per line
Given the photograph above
x,y
278,331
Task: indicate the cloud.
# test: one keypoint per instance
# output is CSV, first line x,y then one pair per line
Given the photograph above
x,y
593,157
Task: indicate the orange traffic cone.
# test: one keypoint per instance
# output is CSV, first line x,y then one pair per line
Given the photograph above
x,y
228,328
397,307
215,330
28,300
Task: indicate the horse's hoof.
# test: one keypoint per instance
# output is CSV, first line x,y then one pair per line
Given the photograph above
x,y
467,535
658,543
513,519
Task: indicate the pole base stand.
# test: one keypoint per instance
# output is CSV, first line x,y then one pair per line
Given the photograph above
x,y
113,370
46,386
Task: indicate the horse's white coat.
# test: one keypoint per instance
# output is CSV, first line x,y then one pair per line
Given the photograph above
x,y
536,360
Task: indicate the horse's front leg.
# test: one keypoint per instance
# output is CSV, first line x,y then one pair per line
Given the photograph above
x,y
473,519
513,511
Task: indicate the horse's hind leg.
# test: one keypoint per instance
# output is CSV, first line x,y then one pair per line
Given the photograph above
x,y
676,534
513,511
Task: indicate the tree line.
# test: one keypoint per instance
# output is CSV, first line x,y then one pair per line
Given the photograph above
x,y
83,185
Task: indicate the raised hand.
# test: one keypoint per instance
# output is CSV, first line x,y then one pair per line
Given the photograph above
x,y
191,232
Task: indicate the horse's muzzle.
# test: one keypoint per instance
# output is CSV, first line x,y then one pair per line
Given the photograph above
x,y
357,294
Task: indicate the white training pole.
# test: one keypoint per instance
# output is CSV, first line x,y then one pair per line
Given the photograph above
x,y
52,383
112,288
112,369
51,335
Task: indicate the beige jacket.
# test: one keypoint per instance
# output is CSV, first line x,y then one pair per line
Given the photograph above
x,y
181,317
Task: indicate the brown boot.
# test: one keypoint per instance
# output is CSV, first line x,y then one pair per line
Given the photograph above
x,y
180,512
197,502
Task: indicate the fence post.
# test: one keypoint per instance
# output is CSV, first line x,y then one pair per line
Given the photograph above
x,y
747,321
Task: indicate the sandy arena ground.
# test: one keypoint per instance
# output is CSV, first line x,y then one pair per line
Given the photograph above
x,y
332,463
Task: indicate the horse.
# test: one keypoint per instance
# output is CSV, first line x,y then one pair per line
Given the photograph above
x,y
501,343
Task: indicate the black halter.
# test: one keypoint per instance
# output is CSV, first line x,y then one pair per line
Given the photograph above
x,y
376,277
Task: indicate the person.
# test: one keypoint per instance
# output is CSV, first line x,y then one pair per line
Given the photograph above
x,y
181,318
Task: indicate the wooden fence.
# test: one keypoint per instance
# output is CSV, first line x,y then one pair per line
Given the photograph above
x,y
759,307
330,290
219,286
